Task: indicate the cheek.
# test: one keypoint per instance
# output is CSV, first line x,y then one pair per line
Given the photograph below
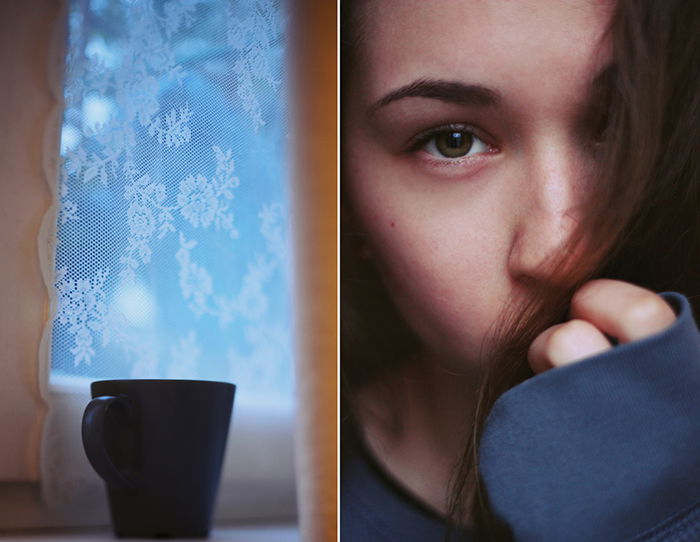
x,y
447,278
442,248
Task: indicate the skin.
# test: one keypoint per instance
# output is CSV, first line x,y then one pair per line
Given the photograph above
x,y
457,238
599,308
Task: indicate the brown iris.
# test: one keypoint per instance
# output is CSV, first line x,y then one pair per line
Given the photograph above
x,y
454,144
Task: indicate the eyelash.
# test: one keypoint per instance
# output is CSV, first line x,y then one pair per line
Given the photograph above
x,y
422,140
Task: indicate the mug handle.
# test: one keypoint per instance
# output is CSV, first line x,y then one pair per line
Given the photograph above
x,y
94,439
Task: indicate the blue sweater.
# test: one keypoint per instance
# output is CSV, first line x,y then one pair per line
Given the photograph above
x,y
603,450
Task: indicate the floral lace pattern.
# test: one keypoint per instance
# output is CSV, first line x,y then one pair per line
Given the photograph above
x,y
174,207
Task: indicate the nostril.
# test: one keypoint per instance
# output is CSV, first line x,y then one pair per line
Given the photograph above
x,y
545,244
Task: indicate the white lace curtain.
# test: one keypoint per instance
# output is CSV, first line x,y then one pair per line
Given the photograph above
x,y
172,250
172,258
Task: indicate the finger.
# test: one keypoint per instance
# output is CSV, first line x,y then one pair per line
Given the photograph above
x,y
565,343
622,310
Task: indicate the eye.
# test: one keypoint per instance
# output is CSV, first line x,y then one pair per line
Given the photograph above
x,y
451,142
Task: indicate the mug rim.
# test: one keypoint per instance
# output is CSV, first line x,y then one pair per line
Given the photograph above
x,y
161,381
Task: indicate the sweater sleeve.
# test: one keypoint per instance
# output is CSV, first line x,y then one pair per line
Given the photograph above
x,y
606,449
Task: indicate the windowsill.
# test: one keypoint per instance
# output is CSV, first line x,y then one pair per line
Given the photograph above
x,y
247,533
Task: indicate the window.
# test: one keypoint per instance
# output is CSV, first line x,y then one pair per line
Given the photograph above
x,y
172,258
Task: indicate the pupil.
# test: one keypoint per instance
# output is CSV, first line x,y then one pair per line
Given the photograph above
x,y
455,140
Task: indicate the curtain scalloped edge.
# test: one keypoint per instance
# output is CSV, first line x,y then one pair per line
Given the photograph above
x,y
46,242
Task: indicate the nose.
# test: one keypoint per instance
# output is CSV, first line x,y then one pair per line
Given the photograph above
x,y
548,211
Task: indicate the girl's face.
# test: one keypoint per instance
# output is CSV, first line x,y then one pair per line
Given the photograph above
x,y
468,144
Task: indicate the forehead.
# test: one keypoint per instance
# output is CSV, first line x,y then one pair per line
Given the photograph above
x,y
493,42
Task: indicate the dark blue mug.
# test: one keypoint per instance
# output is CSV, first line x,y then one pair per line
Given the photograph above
x,y
159,445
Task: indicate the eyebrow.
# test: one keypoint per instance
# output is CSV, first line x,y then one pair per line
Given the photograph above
x,y
446,91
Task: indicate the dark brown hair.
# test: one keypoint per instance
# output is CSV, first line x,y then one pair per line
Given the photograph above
x,y
642,220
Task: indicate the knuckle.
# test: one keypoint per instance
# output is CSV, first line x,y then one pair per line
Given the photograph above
x,y
645,310
588,289
560,340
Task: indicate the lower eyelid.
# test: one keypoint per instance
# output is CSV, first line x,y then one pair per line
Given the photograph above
x,y
467,161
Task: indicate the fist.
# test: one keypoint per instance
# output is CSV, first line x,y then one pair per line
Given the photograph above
x,y
600,309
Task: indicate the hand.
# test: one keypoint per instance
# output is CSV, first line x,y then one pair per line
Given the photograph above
x,y
600,309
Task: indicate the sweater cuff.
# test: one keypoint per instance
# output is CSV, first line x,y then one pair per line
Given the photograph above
x,y
602,449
